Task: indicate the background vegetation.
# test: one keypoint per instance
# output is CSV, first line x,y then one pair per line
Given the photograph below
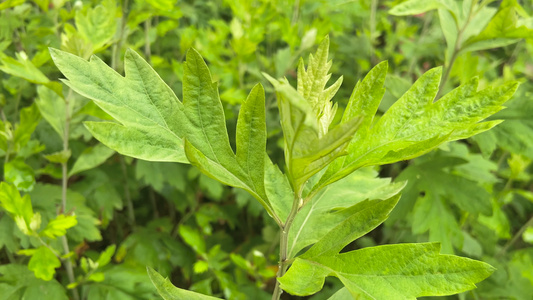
x,y
473,196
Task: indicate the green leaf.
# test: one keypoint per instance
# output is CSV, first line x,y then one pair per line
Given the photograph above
x,y
20,174
23,67
43,263
58,226
15,205
52,108
59,157
415,7
312,86
17,282
29,119
90,158
415,124
106,255
138,143
10,3
98,25
503,29
403,271
207,143
169,292
335,204
193,238
149,112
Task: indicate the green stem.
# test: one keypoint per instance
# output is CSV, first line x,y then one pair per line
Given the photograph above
x,y
127,195
283,246
515,237
64,186
147,49
373,12
456,50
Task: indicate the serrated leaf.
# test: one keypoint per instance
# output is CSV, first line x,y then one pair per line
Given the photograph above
x,y
146,107
106,255
207,144
169,292
58,226
403,271
312,86
415,124
20,174
335,204
43,263
15,205
98,25
90,158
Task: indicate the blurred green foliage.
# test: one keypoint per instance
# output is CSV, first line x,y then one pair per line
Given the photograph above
x,y
475,196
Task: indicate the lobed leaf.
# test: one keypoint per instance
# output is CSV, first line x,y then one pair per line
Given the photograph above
x,y
169,292
43,263
415,124
404,271
140,101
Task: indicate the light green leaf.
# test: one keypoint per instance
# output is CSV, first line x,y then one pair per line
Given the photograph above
x,y
251,138
503,29
193,238
29,119
106,255
169,292
20,174
43,263
415,7
312,86
52,108
98,25
207,143
23,67
138,143
404,271
90,158
58,226
21,283
415,124
146,107
335,204
15,205
59,157
10,3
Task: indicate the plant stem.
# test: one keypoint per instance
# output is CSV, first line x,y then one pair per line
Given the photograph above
x,y
64,186
515,237
373,11
147,49
127,195
283,246
456,50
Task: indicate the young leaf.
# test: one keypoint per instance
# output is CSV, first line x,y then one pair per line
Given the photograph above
x,y
415,7
403,271
58,226
98,25
43,263
415,125
311,85
20,174
23,67
146,107
16,206
169,292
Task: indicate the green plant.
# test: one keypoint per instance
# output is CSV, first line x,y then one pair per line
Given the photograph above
x,y
322,161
